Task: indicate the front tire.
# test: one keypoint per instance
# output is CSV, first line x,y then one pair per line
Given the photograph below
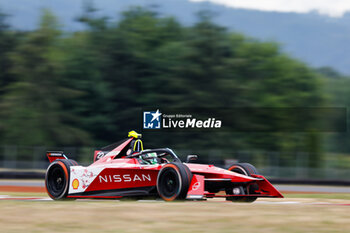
x,y
173,181
248,170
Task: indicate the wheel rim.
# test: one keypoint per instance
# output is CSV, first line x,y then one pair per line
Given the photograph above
x,y
247,189
56,181
169,183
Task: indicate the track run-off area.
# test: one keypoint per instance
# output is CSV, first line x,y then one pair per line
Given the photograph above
x,y
37,213
25,207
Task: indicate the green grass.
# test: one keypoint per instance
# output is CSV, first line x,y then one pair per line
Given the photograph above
x,y
211,216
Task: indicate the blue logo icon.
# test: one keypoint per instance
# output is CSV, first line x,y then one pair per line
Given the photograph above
x,y
151,120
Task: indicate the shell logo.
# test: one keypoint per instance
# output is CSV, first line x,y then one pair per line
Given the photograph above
x,y
75,183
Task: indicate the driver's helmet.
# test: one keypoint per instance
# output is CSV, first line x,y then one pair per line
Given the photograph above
x,y
151,158
136,144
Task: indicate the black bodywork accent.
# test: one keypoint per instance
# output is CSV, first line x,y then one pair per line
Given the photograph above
x,y
158,151
126,192
114,145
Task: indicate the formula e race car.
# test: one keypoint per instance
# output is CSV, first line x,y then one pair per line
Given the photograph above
x,y
125,170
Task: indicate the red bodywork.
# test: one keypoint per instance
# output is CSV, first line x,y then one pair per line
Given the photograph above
x,y
114,175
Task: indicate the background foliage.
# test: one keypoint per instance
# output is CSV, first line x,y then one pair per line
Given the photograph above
x,y
87,87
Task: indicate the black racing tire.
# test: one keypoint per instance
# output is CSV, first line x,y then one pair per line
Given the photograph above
x,y
57,179
188,172
73,162
173,181
244,169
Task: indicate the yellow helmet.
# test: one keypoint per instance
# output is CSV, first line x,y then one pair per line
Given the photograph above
x,y
134,134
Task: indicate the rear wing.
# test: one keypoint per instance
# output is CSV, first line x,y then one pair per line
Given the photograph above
x,y
53,155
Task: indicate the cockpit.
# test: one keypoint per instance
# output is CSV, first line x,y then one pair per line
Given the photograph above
x,y
132,147
155,156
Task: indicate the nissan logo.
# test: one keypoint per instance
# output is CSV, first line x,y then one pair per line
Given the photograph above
x,y
196,186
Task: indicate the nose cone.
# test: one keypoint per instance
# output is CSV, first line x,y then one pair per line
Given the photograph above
x,y
212,172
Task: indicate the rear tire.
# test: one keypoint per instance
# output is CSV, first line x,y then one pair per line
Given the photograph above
x,y
57,179
173,181
73,162
244,169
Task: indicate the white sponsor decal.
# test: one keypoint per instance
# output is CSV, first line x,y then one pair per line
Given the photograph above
x,y
84,175
55,154
100,155
191,123
124,178
113,153
196,186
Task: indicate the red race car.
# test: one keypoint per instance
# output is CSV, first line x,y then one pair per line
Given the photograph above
x,y
124,169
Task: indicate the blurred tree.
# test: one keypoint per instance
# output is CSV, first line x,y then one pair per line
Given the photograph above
x,y
92,84
336,89
7,44
328,72
32,104
128,65
90,100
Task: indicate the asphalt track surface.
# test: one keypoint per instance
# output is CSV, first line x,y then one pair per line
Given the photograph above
x,y
38,185
286,201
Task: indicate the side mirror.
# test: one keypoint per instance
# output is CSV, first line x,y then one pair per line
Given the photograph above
x,y
191,158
